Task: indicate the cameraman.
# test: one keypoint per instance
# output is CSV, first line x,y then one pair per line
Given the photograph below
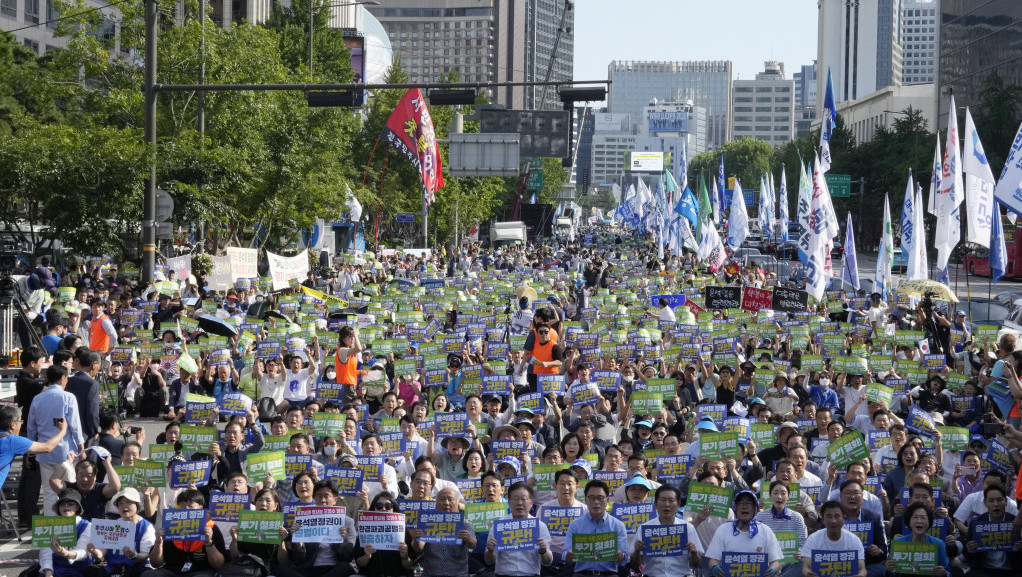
x,y
936,327
113,438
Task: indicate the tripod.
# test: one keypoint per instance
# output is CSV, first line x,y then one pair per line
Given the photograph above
x,y
15,328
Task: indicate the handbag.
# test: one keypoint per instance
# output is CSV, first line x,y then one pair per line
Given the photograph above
x,y
247,565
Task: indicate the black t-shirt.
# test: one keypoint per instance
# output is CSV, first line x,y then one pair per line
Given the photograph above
x,y
93,502
26,388
175,558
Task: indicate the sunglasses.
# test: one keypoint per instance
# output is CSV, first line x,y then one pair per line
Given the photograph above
x,y
386,506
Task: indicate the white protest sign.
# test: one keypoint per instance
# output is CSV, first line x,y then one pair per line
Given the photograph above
x,y
244,262
283,269
113,534
181,265
220,275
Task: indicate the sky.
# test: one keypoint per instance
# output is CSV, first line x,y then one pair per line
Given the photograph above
x,y
747,32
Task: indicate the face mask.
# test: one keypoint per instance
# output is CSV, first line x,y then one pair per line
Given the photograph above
x,y
627,379
329,450
825,383
330,375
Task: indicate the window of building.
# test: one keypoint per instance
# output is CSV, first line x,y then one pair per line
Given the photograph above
x,y
782,119
743,89
32,11
32,45
764,109
743,99
762,119
763,99
764,89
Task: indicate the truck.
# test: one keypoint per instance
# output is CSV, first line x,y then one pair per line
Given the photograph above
x,y
567,223
977,261
502,233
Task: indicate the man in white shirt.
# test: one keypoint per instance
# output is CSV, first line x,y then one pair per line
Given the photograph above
x,y
667,502
834,538
665,314
520,563
744,535
297,393
972,505
521,320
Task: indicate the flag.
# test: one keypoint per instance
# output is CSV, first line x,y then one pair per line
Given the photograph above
x,y
1009,185
643,196
805,195
410,130
682,184
557,212
935,179
849,262
671,185
765,207
822,228
711,249
909,237
998,252
782,207
705,208
687,207
827,125
952,193
533,199
722,202
979,185
716,207
920,239
738,220
352,204
885,257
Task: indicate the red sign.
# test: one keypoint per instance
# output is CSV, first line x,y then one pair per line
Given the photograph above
x,y
410,130
754,299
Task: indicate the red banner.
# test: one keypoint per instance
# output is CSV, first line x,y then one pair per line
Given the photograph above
x,y
410,130
754,299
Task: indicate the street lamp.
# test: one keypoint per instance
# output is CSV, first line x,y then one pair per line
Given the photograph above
x,y
312,22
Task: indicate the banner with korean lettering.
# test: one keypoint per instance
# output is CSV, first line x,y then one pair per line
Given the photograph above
x,y
848,449
259,465
451,425
197,439
45,528
198,408
633,514
863,531
835,563
557,518
993,535
480,516
594,547
412,508
384,531
441,527
737,564
701,495
319,525
183,474
663,540
112,534
410,131
226,506
516,534
261,527
913,558
347,481
920,421
672,468
184,524
719,445
286,269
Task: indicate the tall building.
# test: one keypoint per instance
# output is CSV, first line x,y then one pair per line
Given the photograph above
x,y
549,36
612,140
805,85
919,41
764,108
860,42
634,84
482,39
583,126
976,40
676,119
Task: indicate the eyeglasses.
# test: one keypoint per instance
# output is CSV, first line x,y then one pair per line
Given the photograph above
x,y
596,498
385,506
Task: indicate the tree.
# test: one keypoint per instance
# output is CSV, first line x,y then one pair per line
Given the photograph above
x,y
997,118
746,159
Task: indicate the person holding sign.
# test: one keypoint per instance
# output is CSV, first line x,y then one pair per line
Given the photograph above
x,y
744,535
202,558
510,557
1000,561
61,561
666,546
825,551
321,559
606,536
919,519
865,525
265,500
229,455
782,519
373,562
130,560
440,560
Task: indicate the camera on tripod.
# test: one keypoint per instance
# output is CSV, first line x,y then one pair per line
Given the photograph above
x,y
927,302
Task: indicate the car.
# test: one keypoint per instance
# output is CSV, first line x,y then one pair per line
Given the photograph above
x,y
977,262
787,251
746,251
900,263
837,250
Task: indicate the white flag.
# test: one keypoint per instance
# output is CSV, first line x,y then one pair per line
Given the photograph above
x,y
885,258
952,193
935,179
738,219
1009,186
820,235
920,240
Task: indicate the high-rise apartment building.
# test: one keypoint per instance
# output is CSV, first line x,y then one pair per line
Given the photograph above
x,y
977,39
919,41
860,42
549,50
635,84
764,108
482,39
805,85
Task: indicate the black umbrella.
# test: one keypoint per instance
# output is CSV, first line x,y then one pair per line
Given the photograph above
x,y
216,326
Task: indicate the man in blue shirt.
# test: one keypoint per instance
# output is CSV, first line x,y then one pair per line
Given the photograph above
x,y
595,520
44,421
11,445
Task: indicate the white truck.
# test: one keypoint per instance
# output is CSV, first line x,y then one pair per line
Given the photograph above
x,y
502,233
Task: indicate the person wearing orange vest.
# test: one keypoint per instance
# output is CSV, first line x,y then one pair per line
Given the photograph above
x,y
346,361
102,335
546,356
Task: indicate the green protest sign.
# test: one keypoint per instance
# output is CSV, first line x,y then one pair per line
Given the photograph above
x,y
197,438
259,465
544,475
44,528
913,558
259,526
848,449
482,515
954,438
595,547
788,540
647,402
879,394
702,494
763,434
986,333
161,453
149,473
812,363
275,442
720,445
327,424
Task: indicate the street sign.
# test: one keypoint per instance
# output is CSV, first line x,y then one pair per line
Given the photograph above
x,y
543,133
483,154
535,181
405,217
840,185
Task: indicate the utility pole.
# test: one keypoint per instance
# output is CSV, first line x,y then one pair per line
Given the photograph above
x,y
149,204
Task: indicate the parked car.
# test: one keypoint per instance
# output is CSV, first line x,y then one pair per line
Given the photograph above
x,y
787,251
900,263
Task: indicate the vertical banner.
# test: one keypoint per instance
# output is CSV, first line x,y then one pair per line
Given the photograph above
x,y
244,262
410,130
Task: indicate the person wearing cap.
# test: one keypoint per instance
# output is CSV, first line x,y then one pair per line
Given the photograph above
x,y
523,563
596,520
60,561
129,561
834,537
201,558
448,462
667,500
822,394
780,397
545,354
521,320
744,535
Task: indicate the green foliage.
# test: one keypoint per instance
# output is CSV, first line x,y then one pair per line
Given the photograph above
x,y
997,119
746,159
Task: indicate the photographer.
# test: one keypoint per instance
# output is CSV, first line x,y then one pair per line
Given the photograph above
x,y
113,438
936,327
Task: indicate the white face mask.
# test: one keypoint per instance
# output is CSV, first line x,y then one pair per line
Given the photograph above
x,y
627,379
330,375
825,383
329,450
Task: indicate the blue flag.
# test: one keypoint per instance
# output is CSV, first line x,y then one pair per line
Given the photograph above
x,y
533,199
998,252
722,200
688,207
782,207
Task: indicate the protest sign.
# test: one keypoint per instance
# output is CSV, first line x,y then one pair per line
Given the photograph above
x,y
184,524
150,473
198,439
583,394
835,563
719,445
516,534
259,465
319,525
451,425
913,558
954,438
763,434
480,516
347,481
285,269
633,514
558,518
594,547
113,534
715,412
848,449
646,402
412,508
739,425
672,467
789,300
664,540
717,498
993,535
919,421
754,299
607,381
45,528
788,540
863,530
198,409
879,394
471,489
183,474
244,262
225,506
544,476
440,527
744,564
723,297
382,530
235,404
551,384
262,527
